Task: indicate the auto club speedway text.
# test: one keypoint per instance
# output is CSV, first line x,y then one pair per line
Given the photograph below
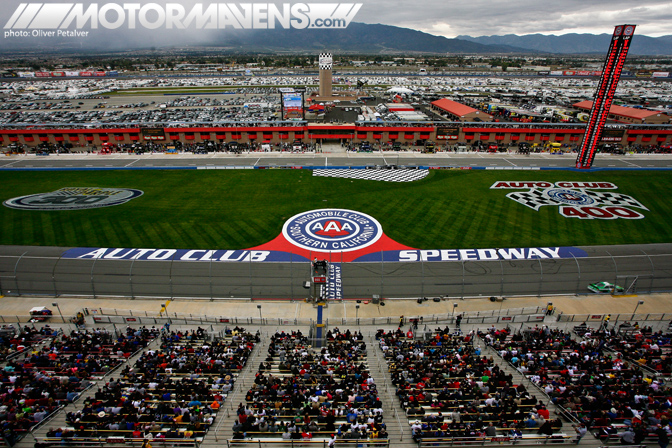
x,y
202,255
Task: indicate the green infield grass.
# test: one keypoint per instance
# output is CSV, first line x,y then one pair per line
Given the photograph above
x,y
237,209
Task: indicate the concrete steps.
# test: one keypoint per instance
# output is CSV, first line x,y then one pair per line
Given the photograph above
x,y
399,432
223,429
533,389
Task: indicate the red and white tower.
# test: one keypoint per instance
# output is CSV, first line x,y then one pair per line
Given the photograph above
x,y
613,65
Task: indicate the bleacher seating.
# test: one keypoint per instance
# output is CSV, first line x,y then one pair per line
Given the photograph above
x,y
646,348
451,392
173,392
593,383
309,393
14,340
54,369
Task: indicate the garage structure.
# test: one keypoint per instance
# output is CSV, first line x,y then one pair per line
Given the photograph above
x,y
455,111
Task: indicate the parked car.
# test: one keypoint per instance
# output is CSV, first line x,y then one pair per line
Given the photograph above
x,y
430,147
40,314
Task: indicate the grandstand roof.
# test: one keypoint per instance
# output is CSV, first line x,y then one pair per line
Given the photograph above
x,y
454,107
629,112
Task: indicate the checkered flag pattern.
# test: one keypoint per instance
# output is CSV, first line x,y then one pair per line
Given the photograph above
x,y
325,66
618,199
381,175
533,198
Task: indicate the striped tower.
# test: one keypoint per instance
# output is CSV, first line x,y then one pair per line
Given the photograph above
x,y
326,62
604,95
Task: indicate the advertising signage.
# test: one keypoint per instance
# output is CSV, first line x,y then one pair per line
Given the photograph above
x,y
292,106
154,134
612,135
444,133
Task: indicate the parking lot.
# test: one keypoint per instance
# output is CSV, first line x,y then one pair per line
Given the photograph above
x,y
217,99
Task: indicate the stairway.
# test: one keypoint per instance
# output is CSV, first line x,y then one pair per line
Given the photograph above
x,y
399,432
519,378
223,429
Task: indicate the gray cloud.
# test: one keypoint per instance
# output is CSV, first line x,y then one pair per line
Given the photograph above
x,y
495,17
448,18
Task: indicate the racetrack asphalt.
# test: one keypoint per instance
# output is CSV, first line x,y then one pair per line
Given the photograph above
x,y
330,159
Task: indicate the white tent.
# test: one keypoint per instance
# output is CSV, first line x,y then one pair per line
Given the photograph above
x,y
399,90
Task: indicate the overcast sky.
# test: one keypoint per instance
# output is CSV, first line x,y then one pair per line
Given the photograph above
x,y
451,18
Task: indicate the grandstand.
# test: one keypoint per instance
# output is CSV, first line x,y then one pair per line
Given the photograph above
x,y
409,381
591,379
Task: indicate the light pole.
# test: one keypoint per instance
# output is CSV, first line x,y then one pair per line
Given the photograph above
x,y
259,308
641,302
59,310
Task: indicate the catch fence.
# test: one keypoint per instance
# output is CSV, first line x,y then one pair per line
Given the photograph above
x,y
635,270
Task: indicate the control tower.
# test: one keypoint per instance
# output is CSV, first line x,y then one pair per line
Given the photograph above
x,y
326,63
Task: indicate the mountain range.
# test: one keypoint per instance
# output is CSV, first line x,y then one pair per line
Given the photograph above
x,y
576,43
357,38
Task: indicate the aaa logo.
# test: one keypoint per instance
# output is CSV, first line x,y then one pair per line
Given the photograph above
x,y
332,230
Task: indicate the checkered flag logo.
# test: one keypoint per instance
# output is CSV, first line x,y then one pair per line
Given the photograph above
x,y
381,175
325,61
609,198
533,199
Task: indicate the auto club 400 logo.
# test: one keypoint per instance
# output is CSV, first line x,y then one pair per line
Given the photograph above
x,y
575,199
74,198
332,230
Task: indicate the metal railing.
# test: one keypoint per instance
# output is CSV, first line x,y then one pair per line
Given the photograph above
x,y
388,386
562,410
498,440
615,318
340,443
239,384
114,442
116,316
45,420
